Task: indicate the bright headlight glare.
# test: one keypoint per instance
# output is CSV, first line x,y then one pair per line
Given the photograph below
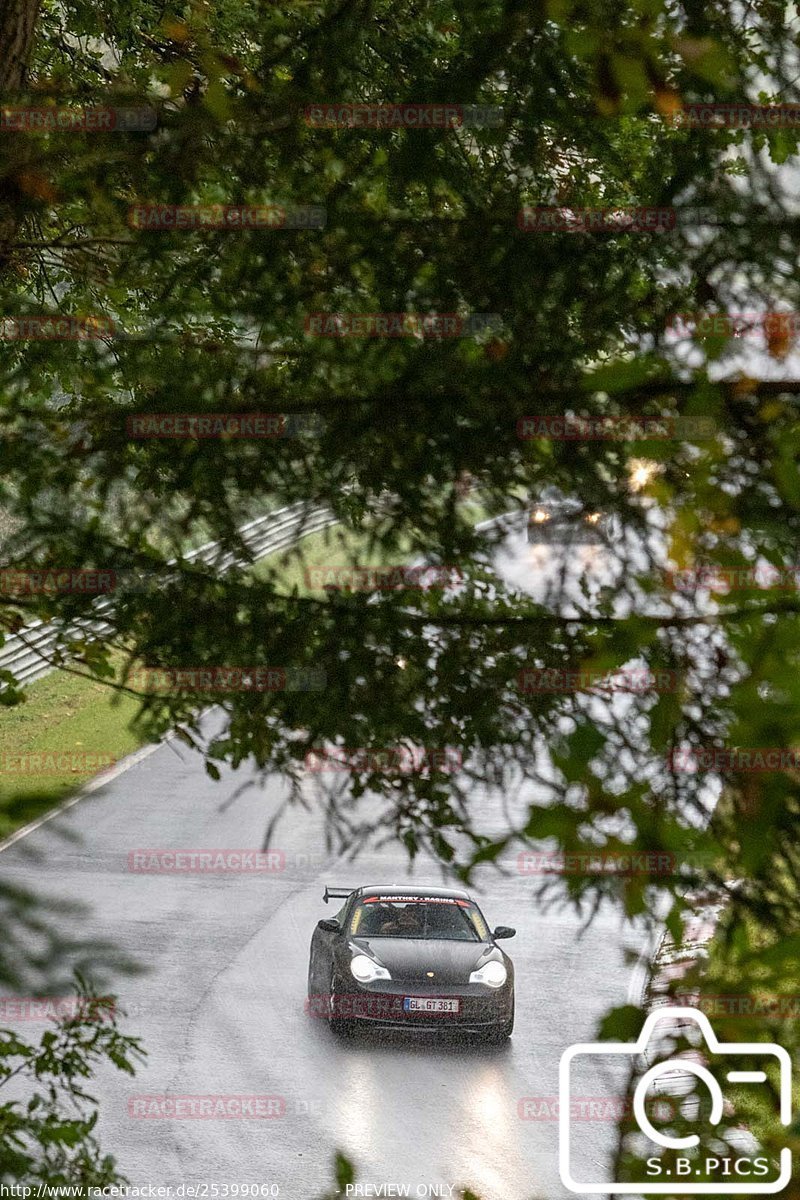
x,y
493,973
366,971
540,515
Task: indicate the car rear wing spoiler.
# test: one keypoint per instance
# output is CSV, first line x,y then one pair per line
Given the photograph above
x,y
337,893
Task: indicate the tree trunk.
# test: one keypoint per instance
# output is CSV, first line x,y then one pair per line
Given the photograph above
x,y
17,27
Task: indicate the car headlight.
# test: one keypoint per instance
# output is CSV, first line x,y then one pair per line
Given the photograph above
x,y
593,518
539,516
493,973
366,971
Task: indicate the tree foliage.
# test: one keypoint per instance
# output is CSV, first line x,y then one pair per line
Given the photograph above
x,y
47,1134
425,220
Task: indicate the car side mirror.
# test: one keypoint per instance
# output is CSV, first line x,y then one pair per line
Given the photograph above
x,y
329,924
503,931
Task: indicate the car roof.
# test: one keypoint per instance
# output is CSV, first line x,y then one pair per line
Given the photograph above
x,y
396,889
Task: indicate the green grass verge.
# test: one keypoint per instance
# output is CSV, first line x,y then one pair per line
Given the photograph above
x,y
47,743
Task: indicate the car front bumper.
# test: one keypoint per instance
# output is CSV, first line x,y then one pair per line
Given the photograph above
x,y
567,533
481,1009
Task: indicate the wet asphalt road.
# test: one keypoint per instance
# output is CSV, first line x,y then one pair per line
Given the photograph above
x,y
212,972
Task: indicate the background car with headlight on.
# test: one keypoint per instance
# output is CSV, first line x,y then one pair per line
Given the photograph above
x,y
554,517
416,958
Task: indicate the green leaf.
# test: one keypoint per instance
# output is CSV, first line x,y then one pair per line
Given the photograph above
x,y
345,1173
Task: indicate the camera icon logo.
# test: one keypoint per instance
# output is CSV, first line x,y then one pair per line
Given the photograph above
x,y
742,1174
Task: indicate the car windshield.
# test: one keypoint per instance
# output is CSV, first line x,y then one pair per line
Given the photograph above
x,y
419,917
555,501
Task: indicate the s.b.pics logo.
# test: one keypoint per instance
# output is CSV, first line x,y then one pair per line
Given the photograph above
x,y
684,1136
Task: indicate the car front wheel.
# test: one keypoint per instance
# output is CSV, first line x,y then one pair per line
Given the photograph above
x,y
338,1025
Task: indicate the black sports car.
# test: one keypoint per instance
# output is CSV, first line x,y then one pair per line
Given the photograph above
x,y
411,957
554,517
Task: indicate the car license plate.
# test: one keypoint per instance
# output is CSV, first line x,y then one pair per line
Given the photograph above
x,y
430,1004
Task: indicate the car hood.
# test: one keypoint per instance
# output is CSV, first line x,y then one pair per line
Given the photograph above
x,y
412,958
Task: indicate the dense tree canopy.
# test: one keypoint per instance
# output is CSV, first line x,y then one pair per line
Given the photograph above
x,y
420,220
585,101
423,221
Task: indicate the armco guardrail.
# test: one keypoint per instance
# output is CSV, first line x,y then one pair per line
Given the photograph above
x,y
28,655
